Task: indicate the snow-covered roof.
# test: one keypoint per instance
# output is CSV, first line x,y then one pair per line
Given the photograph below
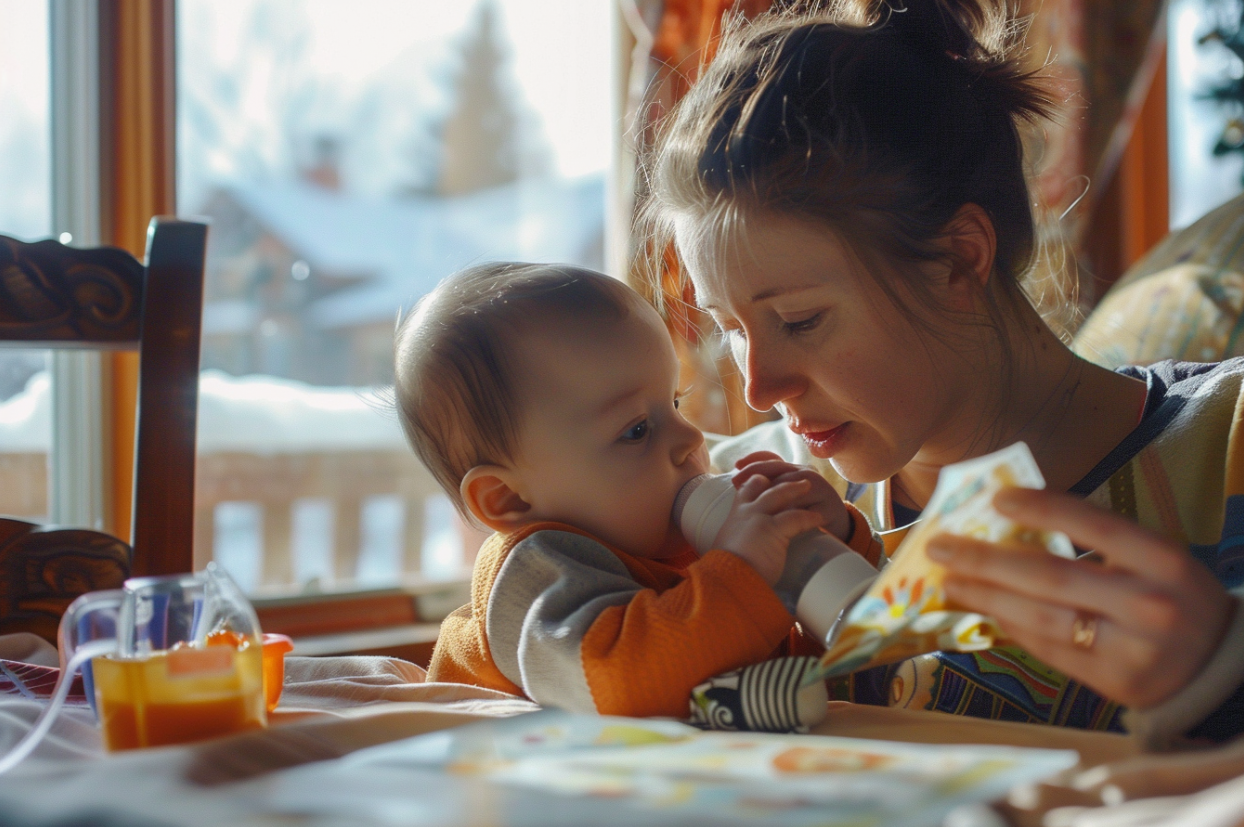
x,y
405,246
251,414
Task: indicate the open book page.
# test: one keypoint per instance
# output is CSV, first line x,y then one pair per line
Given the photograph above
x,y
905,612
556,767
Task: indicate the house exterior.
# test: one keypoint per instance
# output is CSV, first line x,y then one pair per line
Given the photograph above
x,y
306,281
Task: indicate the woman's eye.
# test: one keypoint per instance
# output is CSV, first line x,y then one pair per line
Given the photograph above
x,y
803,325
636,432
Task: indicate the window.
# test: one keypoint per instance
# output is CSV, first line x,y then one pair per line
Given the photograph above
x,y
350,156
1201,178
26,213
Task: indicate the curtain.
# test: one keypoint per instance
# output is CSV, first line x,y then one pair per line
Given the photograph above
x,y
1101,55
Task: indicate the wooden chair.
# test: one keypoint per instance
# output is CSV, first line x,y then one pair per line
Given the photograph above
x,y
61,297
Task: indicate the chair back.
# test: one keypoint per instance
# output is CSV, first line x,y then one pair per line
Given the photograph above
x,y
56,296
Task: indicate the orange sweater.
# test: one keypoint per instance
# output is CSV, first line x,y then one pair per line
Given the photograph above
x,y
559,617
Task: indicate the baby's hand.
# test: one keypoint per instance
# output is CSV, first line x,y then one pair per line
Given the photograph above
x,y
821,496
762,521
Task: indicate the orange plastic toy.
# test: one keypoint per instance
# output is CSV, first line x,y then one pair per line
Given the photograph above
x,y
275,647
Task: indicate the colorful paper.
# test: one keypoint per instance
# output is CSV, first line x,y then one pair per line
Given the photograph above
x,y
553,767
905,612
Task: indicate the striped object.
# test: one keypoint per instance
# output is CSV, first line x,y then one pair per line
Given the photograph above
x,y
34,682
765,697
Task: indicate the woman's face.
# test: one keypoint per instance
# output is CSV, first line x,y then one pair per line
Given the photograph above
x,y
864,384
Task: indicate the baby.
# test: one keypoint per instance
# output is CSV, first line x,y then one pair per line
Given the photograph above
x,y
545,401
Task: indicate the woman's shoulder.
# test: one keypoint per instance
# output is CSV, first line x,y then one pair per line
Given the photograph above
x,y
1187,378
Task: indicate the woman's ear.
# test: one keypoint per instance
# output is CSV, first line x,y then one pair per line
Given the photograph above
x,y
489,492
972,244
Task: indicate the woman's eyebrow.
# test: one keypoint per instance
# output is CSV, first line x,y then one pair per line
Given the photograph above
x,y
771,293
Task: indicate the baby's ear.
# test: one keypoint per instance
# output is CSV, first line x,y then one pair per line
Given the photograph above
x,y
489,492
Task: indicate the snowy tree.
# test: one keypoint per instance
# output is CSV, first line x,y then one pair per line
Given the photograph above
x,y
489,138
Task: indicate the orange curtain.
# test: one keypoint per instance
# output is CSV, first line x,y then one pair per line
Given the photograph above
x,y
136,40
683,38
1104,58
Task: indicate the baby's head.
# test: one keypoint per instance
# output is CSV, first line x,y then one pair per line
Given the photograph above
x,y
548,393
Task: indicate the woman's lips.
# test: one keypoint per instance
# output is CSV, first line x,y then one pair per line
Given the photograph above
x,y
825,444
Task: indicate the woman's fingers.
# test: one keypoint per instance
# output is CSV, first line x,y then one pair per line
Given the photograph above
x,y
1137,672
1034,572
1120,541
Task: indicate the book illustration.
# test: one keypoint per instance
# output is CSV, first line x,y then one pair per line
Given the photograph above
x,y
600,770
905,612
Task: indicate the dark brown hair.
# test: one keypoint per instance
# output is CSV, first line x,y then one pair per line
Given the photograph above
x,y
878,120
455,390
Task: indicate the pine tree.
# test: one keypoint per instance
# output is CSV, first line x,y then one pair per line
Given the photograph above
x,y
1228,92
482,146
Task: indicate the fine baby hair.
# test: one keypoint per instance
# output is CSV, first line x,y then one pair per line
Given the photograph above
x,y
454,389
878,119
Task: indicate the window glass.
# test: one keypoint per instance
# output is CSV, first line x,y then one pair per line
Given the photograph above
x,y
25,213
350,156
1206,135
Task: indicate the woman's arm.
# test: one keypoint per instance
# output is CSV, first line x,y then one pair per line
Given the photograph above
x,y
1138,624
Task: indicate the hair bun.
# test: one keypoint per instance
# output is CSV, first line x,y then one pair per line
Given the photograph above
x,y
963,30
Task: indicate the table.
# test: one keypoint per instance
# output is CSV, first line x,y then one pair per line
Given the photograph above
x,y
336,706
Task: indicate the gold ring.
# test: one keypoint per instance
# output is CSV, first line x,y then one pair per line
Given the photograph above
x,y
1084,630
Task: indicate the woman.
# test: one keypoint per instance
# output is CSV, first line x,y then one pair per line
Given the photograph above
x,y
846,191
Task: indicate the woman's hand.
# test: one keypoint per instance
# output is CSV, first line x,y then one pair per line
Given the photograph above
x,y
1137,629
763,519
821,496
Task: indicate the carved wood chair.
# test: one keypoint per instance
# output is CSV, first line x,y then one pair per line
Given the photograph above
x,y
56,296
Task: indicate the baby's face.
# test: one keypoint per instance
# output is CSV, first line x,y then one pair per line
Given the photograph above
x,y
602,445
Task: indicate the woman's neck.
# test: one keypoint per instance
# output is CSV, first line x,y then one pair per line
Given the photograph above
x,y
1070,412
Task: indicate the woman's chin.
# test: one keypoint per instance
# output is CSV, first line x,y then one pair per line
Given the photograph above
x,y
852,470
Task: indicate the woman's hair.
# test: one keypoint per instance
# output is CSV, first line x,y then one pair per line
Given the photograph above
x,y
455,390
878,120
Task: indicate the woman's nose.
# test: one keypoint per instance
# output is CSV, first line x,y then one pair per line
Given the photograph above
x,y
767,381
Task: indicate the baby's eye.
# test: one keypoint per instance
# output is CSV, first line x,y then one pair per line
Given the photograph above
x,y
636,432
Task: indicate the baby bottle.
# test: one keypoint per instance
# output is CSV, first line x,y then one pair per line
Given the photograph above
x,y
834,575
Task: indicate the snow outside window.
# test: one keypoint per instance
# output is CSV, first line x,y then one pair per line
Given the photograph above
x,y
350,155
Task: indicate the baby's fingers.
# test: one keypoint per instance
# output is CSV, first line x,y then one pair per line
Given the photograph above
x,y
782,496
770,466
757,456
795,521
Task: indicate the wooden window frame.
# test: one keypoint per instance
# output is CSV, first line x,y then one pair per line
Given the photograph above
x,y
137,60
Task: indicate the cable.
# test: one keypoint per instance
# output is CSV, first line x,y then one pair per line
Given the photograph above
x,y
88,650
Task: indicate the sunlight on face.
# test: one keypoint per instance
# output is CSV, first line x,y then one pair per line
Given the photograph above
x,y
816,336
602,445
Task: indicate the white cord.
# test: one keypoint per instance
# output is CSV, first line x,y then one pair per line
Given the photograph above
x,y
88,650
